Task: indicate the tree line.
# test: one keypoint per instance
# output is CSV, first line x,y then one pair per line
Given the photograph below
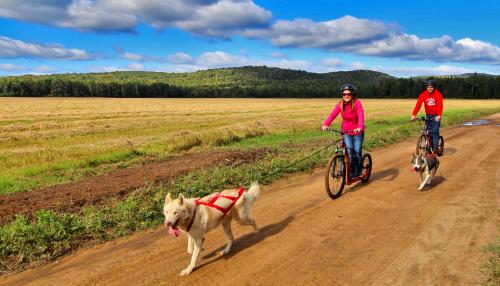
x,y
258,82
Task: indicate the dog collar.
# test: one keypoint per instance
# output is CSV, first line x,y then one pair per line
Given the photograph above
x,y
192,220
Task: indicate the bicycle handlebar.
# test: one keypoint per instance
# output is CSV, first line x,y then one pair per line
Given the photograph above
x,y
340,132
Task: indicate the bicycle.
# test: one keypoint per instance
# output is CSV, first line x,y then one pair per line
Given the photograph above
x,y
338,170
424,144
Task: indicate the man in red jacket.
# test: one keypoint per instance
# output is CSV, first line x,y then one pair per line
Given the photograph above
x,y
433,103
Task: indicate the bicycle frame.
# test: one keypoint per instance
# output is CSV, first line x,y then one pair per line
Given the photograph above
x,y
425,132
338,171
341,148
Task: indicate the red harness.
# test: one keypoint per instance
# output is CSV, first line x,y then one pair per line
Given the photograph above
x,y
212,201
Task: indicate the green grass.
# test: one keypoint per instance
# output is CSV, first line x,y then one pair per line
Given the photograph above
x,y
492,265
49,235
33,177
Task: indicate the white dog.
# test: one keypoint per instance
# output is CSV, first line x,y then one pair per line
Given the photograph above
x,y
197,216
427,166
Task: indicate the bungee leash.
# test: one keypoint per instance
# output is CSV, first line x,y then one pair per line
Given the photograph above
x,y
294,163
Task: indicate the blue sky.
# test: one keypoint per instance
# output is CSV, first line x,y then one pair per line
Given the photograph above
x,y
402,39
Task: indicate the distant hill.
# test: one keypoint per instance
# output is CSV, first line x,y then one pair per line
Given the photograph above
x,y
248,81
475,74
464,75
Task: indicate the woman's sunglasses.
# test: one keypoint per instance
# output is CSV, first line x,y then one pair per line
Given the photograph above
x,y
347,94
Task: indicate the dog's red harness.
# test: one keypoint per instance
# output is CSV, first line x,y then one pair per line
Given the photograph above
x,y
212,204
212,201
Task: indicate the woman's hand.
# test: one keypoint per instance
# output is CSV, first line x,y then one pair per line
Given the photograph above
x,y
324,127
437,118
357,130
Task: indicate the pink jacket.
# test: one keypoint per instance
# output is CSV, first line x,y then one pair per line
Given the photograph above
x,y
352,119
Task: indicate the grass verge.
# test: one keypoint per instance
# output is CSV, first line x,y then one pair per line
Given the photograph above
x,y
492,265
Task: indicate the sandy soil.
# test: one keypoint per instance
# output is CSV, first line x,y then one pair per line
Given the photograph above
x,y
385,232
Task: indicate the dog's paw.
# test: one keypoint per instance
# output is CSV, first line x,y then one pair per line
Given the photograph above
x,y
225,250
256,230
186,271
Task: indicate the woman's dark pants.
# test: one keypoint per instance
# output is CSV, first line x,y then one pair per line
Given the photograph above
x,y
354,144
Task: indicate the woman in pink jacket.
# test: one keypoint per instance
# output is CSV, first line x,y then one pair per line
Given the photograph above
x,y
353,125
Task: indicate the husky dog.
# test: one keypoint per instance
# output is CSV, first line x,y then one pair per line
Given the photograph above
x,y
197,216
427,166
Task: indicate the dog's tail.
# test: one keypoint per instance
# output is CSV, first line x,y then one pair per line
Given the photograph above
x,y
252,194
254,190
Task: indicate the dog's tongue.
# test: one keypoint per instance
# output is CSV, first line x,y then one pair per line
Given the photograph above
x,y
412,169
173,231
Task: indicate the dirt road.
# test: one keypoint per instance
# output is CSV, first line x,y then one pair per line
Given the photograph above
x,y
381,233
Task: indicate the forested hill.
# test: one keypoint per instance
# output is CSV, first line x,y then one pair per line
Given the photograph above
x,y
247,81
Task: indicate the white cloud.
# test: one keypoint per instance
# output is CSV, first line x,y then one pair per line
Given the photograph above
x,y
423,70
44,69
132,56
327,35
100,69
443,49
219,59
180,68
358,66
228,18
180,58
87,15
221,18
136,67
129,67
11,48
332,63
11,67
225,19
139,57
289,64
278,55
374,38
37,11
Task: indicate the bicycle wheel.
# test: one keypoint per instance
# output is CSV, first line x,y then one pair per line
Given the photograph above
x,y
421,145
335,176
440,146
367,167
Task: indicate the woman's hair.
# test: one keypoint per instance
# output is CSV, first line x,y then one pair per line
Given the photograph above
x,y
351,102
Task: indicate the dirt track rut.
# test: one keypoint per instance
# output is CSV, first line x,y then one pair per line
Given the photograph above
x,y
381,233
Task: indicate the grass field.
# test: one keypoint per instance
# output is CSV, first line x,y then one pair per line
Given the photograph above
x,y
44,141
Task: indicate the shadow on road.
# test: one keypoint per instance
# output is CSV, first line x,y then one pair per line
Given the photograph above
x,y
247,240
385,175
434,183
448,151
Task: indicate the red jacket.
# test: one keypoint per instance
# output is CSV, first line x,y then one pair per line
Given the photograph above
x,y
433,103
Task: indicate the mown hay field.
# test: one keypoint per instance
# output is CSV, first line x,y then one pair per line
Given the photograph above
x,y
50,140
